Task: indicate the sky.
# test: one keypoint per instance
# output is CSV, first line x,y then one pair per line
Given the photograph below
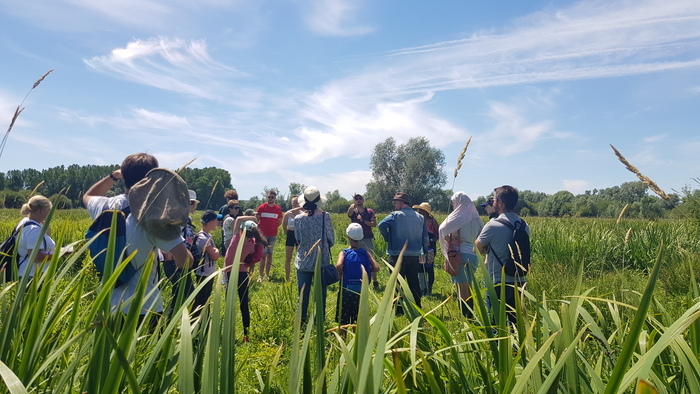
x,y
302,90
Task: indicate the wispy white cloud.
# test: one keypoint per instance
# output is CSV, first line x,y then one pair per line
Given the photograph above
x,y
170,64
334,17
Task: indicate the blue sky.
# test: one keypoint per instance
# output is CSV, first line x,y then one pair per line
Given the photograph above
x,y
301,91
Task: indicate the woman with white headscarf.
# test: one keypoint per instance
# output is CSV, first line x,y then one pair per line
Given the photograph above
x,y
460,229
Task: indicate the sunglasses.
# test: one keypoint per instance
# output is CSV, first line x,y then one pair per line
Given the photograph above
x,y
359,199
235,208
271,197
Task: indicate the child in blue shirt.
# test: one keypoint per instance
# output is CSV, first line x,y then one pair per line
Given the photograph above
x,y
351,263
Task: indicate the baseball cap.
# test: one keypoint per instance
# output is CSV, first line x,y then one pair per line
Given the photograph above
x,y
355,232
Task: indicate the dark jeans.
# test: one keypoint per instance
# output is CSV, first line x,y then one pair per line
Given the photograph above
x,y
304,282
202,297
409,270
178,279
243,284
510,300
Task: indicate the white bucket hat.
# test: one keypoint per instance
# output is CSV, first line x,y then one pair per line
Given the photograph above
x,y
312,194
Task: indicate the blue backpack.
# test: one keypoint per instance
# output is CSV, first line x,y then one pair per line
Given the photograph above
x,y
100,232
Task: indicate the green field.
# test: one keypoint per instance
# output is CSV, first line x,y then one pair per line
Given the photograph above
x,y
593,322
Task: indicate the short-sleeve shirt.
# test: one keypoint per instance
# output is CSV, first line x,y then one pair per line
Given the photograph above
x,y
97,204
367,215
354,261
143,243
497,236
208,265
28,240
308,230
247,249
269,219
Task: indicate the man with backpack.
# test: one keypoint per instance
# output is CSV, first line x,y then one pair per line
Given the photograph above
x,y
505,241
133,169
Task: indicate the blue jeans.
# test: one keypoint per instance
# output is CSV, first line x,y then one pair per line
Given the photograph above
x,y
305,280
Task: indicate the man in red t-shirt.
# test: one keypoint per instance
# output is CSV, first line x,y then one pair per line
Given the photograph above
x,y
269,218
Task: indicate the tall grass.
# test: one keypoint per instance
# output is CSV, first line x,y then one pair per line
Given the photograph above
x,y
604,309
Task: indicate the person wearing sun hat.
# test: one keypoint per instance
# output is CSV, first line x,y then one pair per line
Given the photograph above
x,y
134,169
352,262
248,233
310,226
426,274
404,226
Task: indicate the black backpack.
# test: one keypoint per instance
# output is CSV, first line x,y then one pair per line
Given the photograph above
x,y
8,249
196,253
518,261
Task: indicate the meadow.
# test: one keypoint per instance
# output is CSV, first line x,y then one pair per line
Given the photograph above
x,y
610,305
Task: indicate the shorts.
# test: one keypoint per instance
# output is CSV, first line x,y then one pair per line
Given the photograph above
x,y
291,239
271,241
470,263
367,244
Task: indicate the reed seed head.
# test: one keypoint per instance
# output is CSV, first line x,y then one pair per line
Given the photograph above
x,y
652,185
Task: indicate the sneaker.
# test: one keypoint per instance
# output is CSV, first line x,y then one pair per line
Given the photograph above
x,y
260,279
245,339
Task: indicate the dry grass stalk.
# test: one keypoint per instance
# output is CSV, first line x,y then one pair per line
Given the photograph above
x,y
186,165
622,213
38,81
627,236
36,188
652,185
461,157
19,111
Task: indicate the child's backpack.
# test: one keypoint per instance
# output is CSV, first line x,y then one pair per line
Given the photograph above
x,y
100,230
8,249
518,261
196,253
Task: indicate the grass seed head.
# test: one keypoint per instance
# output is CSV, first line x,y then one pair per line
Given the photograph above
x,y
652,185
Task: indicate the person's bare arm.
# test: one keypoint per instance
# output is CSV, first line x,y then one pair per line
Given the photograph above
x,y
373,263
351,210
372,222
182,256
339,264
285,220
212,251
239,221
101,187
483,249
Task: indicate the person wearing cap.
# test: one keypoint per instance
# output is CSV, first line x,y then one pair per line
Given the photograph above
x,y
204,242
133,169
310,227
365,217
460,228
288,229
251,253
352,262
269,218
404,226
426,274
490,210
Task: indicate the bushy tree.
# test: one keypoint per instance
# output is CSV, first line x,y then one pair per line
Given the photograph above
x,y
415,168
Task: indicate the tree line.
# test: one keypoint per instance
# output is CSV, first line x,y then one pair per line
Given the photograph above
x,y
414,167
68,184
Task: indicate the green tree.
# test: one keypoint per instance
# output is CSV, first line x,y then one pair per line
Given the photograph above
x,y
414,168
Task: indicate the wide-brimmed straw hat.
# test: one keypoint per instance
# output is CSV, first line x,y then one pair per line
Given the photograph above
x,y
312,194
160,203
424,206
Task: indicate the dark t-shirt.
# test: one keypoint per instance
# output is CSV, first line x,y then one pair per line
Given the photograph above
x,y
367,215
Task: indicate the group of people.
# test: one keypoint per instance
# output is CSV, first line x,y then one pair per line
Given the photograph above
x,y
410,231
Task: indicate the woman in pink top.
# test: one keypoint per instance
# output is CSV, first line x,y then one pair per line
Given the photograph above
x,y
251,253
